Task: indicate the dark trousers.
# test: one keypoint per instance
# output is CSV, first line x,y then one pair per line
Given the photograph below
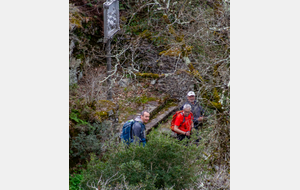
x,y
181,137
198,125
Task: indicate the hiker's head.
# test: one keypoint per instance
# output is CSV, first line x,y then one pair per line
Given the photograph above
x,y
186,109
191,96
145,116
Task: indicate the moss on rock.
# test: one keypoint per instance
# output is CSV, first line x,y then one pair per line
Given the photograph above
x,y
150,75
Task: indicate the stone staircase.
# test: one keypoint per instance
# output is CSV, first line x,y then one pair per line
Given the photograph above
x,y
158,113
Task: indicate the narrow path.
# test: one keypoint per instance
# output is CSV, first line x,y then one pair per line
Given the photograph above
x,y
160,118
159,113
163,118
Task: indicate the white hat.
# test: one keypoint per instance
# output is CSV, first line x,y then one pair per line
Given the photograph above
x,y
191,93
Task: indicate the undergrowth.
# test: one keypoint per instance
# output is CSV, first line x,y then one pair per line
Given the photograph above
x,y
162,163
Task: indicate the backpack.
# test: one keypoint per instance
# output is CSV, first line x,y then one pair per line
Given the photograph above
x,y
174,118
126,134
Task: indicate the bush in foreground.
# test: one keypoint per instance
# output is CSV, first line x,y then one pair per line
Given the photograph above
x,y
162,163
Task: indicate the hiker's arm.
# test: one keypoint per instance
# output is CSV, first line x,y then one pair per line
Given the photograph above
x,y
136,131
200,114
200,118
203,113
176,129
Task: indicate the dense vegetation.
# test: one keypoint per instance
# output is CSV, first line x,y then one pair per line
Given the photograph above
x,y
162,163
165,48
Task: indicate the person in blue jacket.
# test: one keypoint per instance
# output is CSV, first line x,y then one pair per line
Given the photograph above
x,y
139,128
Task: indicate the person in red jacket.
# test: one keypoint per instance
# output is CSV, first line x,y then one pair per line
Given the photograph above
x,y
184,123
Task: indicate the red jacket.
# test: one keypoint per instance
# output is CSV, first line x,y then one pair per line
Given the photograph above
x,y
187,125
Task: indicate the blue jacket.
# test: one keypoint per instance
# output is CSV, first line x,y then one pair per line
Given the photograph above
x,y
139,131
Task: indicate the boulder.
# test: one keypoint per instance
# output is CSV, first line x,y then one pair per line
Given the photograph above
x,y
106,110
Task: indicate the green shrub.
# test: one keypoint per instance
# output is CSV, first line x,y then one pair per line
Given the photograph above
x,y
162,163
83,145
74,115
74,181
88,141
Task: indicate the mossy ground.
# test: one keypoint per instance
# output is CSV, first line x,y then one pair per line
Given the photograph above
x,y
136,95
129,99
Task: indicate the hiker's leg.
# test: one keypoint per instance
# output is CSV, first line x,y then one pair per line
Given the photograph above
x,y
180,137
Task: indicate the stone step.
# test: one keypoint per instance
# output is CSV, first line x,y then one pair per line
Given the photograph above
x,y
160,118
154,122
152,107
155,118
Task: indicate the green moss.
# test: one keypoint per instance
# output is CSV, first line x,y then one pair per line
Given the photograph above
x,y
179,38
149,75
216,72
75,19
216,95
103,114
172,52
216,105
169,104
106,104
141,99
100,115
92,105
146,34
158,40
